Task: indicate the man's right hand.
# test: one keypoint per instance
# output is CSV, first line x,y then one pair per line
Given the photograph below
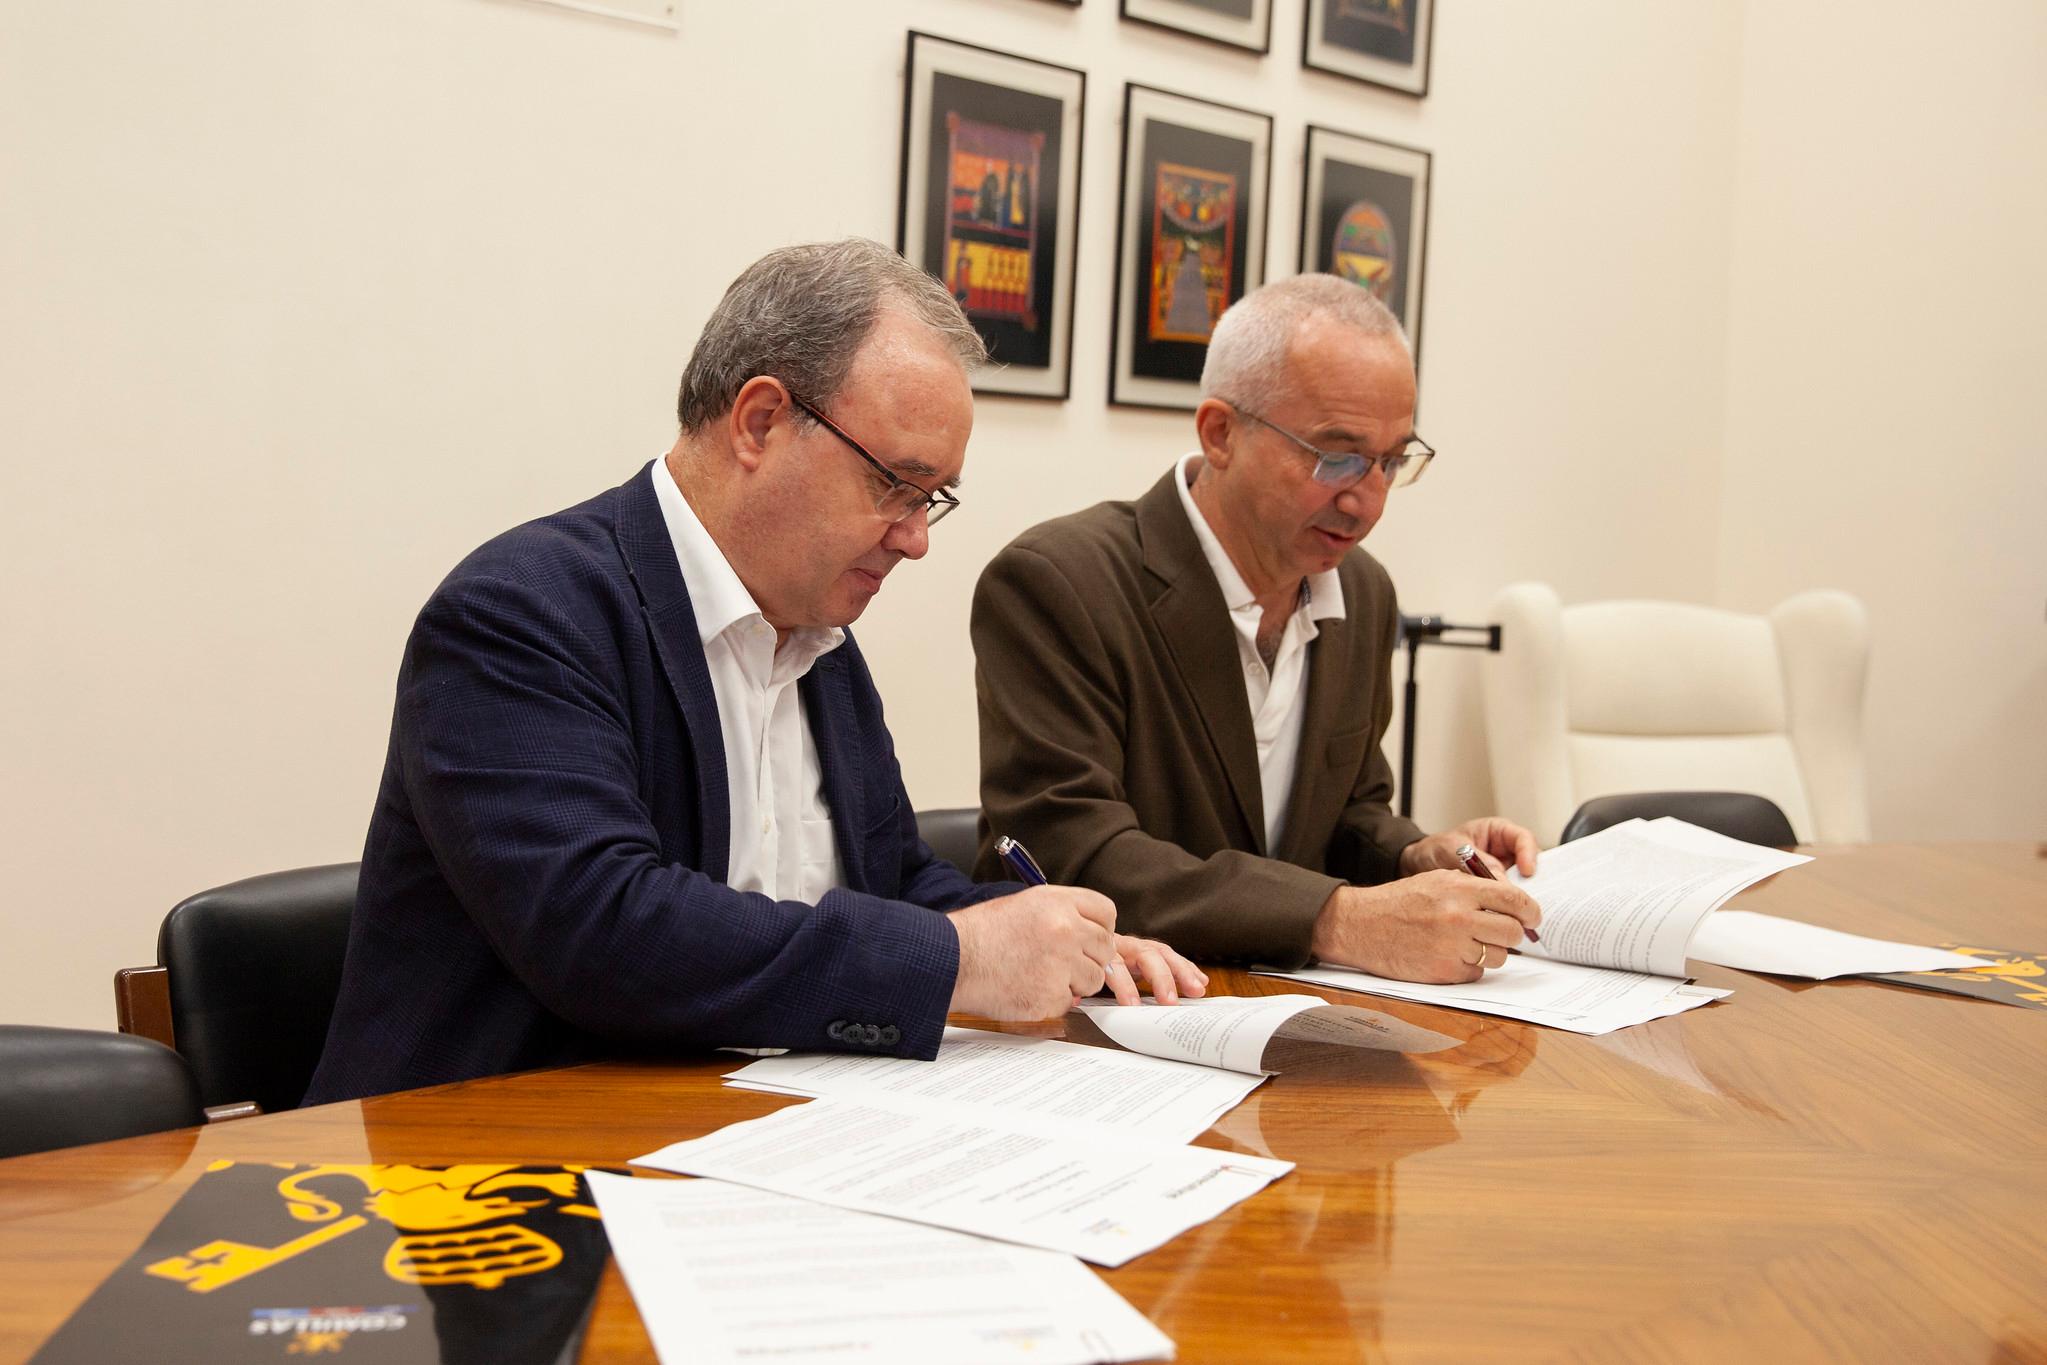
x,y
1027,956
1434,927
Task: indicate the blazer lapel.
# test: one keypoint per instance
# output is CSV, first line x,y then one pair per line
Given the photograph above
x,y
1327,702
828,704
649,554
1195,624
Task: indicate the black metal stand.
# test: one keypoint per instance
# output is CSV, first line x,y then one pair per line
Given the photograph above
x,y
1418,631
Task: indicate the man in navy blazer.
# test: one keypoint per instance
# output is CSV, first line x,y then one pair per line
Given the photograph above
x,y
639,794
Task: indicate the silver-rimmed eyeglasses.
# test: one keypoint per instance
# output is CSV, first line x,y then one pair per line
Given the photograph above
x,y
1340,469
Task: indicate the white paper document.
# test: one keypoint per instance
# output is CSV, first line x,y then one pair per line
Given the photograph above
x,y
1042,1084
1619,911
1100,1197
1235,1032
1631,896
724,1274
1560,994
1765,943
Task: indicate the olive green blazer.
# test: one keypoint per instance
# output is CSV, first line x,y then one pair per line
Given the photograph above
x,y
1116,737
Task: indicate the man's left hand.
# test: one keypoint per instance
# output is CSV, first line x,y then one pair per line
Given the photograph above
x,y
1169,975
1497,841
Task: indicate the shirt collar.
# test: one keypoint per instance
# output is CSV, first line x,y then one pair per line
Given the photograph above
x,y
717,597
1323,593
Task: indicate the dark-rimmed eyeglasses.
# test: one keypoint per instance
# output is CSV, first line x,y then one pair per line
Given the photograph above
x,y
900,499
1339,469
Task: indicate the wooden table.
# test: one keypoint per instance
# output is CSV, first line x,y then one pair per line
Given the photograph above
x,y
1842,1170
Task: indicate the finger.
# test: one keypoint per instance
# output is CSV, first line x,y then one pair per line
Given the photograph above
x,y
1505,898
1098,943
1192,980
1157,975
1122,984
1093,906
1494,929
1498,868
1525,849
1087,978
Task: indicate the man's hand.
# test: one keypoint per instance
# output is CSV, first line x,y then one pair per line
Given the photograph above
x,y
1496,840
1028,956
1169,975
1435,927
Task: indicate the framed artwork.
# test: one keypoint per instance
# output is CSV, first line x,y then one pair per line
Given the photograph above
x,y
1365,216
990,202
1380,42
1238,23
1190,238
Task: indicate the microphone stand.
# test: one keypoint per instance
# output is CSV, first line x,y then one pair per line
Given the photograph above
x,y
1417,631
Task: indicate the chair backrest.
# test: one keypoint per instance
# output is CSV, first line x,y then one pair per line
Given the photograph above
x,y
954,833
254,970
60,1087
1738,815
1613,697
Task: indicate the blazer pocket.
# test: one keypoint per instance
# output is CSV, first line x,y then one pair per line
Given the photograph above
x,y
1347,752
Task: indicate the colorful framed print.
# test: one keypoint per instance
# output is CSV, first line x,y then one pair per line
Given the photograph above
x,y
990,202
1237,23
1190,238
1380,42
1365,216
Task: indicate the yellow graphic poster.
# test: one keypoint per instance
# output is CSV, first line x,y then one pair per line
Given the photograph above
x,y
389,1263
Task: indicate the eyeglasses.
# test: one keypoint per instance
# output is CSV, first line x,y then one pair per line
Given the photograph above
x,y
901,499
1340,469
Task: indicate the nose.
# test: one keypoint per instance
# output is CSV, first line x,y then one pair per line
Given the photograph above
x,y
1366,498
910,537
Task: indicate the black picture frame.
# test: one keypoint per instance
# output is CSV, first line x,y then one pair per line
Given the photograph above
x,y
1242,24
1365,216
1388,43
1006,247
1185,161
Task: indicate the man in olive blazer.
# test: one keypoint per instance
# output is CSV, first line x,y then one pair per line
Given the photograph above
x,y
1147,670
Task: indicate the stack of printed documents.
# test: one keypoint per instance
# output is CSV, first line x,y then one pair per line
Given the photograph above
x,y
840,1227
1622,911
724,1274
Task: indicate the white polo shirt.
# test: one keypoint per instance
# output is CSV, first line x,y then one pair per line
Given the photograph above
x,y
781,827
1279,696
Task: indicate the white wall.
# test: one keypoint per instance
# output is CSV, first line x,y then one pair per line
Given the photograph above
x,y
302,299
1887,413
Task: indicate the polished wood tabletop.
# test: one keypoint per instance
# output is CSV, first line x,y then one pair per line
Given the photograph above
x,y
1843,1170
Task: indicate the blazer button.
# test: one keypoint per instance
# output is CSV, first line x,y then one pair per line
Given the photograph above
x,y
870,1035
837,1031
891,1035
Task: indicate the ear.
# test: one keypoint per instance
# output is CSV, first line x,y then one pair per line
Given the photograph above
x,y
1215,423
760,402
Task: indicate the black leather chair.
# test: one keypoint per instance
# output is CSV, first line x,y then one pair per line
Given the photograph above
x,y
252,969
954,833
60,1087
1738,815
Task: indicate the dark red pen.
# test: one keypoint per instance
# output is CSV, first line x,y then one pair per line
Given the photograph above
x,y
1475,865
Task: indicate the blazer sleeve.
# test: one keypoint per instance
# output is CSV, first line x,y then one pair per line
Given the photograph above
x,y
1053,725
520,765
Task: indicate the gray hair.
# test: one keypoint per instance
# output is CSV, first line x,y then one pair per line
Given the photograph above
x,y
1247,354
801,314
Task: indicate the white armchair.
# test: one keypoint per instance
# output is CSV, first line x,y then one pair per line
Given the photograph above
x,y
1610,697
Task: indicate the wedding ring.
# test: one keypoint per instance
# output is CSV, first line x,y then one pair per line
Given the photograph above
x,y
1479,961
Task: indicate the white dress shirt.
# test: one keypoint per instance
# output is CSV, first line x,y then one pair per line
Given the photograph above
x,y
1278,696
781,827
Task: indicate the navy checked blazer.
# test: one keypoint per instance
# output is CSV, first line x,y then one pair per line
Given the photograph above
x,y
544,878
